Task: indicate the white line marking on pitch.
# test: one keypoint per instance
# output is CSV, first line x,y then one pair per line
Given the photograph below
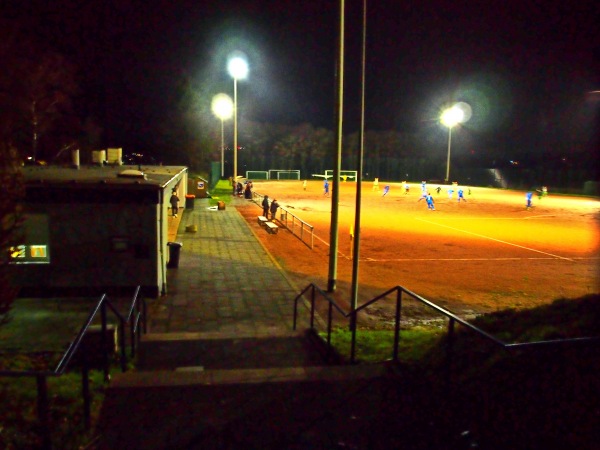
x,y
493,239
545,216
471,259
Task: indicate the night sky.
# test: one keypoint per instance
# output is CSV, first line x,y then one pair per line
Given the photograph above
x,y
525,66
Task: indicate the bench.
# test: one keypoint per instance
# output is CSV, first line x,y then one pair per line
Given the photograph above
x,y
271,227
262,221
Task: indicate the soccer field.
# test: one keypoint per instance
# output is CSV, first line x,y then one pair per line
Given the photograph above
x,y
487,253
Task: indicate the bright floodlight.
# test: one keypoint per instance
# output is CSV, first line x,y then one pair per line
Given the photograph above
x,y
452,116
238,68
222,106
459,113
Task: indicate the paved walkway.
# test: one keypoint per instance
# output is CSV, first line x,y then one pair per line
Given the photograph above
x,y
226,281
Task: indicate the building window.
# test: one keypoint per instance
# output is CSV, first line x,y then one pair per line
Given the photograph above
x,y
35,245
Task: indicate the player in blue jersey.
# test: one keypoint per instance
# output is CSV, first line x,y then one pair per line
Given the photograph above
x,y
326,188
429,200
386,189
528,197
461,196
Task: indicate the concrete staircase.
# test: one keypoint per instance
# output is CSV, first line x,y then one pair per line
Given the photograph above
x,y
223,391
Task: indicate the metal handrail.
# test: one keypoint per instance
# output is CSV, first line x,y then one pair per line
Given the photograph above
x,y
453,319
136,315
257,198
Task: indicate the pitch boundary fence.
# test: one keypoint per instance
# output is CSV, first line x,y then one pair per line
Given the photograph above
x,y
298,227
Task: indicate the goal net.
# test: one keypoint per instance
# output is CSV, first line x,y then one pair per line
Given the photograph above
x,y
277,174
345,175
257,174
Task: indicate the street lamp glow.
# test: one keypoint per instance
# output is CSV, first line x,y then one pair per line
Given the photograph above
x,y
222,107
458,113
452,117
238,69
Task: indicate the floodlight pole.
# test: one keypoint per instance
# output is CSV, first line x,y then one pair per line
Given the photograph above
x,y
448,162
335,194
222,150
234,130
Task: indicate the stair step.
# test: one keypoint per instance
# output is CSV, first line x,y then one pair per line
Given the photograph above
x,y
236,408
227,351
203,377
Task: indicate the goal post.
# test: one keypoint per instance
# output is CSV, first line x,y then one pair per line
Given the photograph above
x,y
345,175
284,174
257,174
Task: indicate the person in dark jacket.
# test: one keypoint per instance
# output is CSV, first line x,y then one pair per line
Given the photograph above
x,y
265,205
174,204
274,206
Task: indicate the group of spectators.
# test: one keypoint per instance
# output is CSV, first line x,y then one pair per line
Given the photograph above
x,y
272,208
244,190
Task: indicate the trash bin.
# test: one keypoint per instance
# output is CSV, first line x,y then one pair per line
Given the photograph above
x,y
189,201
174,251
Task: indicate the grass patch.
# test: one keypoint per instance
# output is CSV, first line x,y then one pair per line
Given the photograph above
x,y
221,192
18,416
489,397
378,345
35,338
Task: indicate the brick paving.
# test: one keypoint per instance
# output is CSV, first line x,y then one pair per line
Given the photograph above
x,y
226,281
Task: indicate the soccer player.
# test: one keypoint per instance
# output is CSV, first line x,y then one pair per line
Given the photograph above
x,y
423,196
406,187
376,185
528,197
450,192
386,189
461,196
429,200
326,188
304,184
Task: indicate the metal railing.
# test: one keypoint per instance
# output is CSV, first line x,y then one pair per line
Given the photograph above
x,y
298,227
136,319
351,316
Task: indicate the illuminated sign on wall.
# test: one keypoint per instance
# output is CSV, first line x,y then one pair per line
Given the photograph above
x,y
35,249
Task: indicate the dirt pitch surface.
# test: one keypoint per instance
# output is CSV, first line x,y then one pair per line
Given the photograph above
x,y
482,255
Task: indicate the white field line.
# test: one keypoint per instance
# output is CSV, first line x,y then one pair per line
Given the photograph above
x,y
542,216
550,255
476,259
493,239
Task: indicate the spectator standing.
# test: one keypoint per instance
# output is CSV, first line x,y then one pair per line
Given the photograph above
x,y
265,206
274,206
174,200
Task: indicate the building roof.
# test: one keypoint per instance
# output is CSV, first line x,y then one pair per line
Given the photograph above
x,y
118,175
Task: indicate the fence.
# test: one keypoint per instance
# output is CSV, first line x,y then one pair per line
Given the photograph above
x,y
135,319
298,227
332,307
